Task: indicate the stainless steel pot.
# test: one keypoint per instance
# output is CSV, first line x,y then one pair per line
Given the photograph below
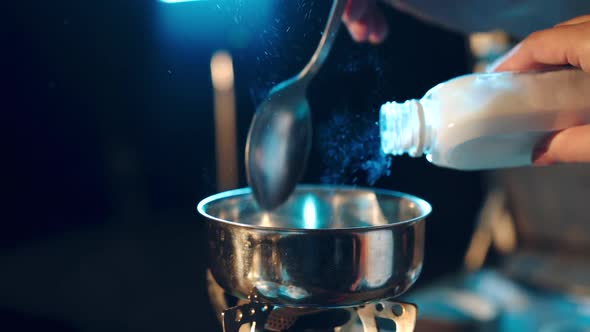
x,y
325,247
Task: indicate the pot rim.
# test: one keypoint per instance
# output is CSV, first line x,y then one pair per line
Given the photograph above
x,y
425,207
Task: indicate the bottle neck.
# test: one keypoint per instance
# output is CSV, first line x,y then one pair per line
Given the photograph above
x,y
403,128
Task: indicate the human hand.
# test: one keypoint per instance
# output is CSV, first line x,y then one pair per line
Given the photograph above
x,y
565,44
364,21
518,18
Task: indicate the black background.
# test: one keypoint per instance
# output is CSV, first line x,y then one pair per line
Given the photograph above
x,y
108,144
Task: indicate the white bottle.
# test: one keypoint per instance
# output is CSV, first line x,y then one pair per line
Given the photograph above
x,y
486,121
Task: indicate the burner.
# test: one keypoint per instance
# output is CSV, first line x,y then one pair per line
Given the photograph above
x,y
265,317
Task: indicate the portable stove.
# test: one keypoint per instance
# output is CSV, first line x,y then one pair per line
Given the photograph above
x,y
329,259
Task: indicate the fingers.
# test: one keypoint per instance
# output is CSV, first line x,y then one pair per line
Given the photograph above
x,y
364,21
568,146
359,29
567,44
355,10
379,28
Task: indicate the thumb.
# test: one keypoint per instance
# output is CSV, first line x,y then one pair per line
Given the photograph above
x,y
571,145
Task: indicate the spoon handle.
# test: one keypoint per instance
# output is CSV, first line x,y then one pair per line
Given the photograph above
x,y
323,49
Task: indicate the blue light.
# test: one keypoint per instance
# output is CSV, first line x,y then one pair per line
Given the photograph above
x,y
178,1
195,25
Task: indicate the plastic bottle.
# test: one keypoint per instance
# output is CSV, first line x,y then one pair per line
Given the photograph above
x,y
486,121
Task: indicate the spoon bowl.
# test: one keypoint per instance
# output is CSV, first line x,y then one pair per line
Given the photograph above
x,y
279,140
282,133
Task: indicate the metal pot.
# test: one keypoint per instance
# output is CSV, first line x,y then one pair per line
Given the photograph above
x,y
326,247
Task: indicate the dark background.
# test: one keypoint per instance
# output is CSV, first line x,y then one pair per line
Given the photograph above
x,y
108,144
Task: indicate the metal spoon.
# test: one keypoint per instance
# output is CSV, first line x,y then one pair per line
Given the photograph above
x,y
279,139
